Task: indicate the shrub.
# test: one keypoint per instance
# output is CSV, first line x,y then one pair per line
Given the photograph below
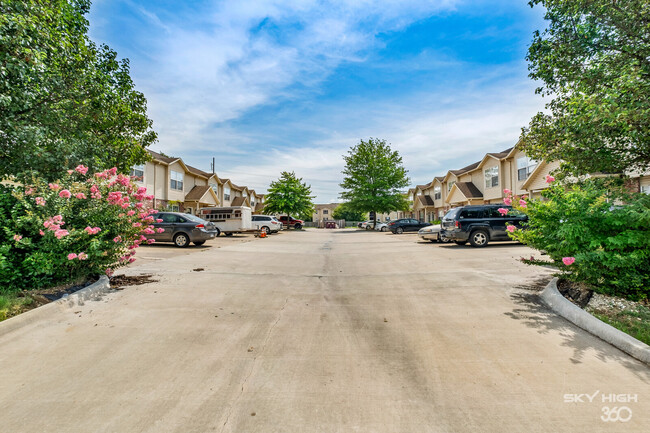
x,y
593,234
78,226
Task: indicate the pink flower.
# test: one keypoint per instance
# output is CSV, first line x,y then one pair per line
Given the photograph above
x,y
503,211
72,256
112,171
117,239
139,205
132,259
82,256
109,272
507,191
29,191
158,220
149,231
549,178
523,203
115,197
568,260
131,213
65,194
511,229
151,241
80,195
94,189
507,201
17,237
53,186
61,233
143,237
160,230
141,190
137,224
41,232
92,230
81,169
70,171
40,201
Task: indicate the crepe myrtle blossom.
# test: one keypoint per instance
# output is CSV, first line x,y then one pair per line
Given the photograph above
x,y
70,171
72,256
507,201
29,191
65,194
507,191
511,229
568,261
54,186
17,237
523,203
117,239
549,178
92,230
61,233
109,272
82,256
160,230
503,211
40,201
81,169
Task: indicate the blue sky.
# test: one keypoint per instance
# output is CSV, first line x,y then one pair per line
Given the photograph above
x,y
267,86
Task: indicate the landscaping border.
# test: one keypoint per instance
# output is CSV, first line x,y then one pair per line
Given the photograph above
x,y
93,291
576,315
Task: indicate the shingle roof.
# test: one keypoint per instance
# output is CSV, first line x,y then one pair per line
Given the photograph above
x,y
466,169
159,157
197,171
259,207
196,193
238,201
426,200
469,190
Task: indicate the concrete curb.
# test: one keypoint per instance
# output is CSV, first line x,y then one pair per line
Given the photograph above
x,y
92,292
576,315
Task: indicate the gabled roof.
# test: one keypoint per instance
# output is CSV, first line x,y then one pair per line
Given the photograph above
x,y
467,189
160,158
198,193
240,201
259,207
426,200
533,175
495,155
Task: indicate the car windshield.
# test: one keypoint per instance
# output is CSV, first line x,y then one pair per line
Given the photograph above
x,y
452,214
194,218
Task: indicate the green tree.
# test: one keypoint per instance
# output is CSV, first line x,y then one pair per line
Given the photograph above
x,y
289,196
593,60
344,212
374,178
63,100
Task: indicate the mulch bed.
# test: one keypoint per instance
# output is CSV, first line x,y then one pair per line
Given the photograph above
x,y
119,282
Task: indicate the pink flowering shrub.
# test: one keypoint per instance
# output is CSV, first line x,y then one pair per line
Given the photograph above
x,y
593,233
83,224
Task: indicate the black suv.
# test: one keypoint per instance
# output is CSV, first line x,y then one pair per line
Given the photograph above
x,y
480,224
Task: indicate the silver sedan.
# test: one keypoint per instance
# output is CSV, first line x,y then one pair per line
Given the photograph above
x,y
432,233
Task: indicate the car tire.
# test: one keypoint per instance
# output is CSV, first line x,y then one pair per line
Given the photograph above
x,y
479,238
228,234
181,240
266,230
368,227
460,242
399,230
444,240
216,235
199,243
297,226
384,229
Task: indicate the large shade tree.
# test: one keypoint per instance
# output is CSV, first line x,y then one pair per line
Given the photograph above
x,y
289,195
63,99
593,61
345,212
374,178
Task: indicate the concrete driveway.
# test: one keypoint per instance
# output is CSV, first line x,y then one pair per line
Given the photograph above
x,y
320,331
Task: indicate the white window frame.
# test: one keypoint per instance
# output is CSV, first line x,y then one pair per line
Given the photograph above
x,y
137,172
176,180
226,193
491,175
450,185
525,167
437,192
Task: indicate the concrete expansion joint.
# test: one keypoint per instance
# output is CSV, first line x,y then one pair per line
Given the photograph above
x,y
552,297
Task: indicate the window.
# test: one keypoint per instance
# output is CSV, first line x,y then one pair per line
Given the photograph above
x,y
176,180
437,193
525,167
450,184
471,213
226,193
137,172
215,188
325,211
645,189
491,177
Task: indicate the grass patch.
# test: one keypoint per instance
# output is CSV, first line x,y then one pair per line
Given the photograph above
x,y
633,322
11,305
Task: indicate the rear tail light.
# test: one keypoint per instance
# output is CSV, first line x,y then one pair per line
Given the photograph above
x,y
457,224
199,226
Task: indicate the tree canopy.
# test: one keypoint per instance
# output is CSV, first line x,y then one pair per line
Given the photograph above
x,y
344,212
593,60
289,196
64,101
374,178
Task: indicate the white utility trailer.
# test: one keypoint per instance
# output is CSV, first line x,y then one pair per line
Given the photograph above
x,y
229,220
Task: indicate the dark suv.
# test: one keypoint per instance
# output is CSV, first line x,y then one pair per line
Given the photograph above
x,y
405,225
480,224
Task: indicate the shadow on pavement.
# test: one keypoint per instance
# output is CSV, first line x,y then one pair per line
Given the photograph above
x,y
531,312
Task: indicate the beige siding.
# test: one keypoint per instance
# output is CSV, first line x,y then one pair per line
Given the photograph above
x,y
457,198
175,195
492,192
538,182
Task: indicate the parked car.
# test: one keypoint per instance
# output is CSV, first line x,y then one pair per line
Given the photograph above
x,y
364,225
291,222
432,233
266,223
405,225
480,224
182,228
382,227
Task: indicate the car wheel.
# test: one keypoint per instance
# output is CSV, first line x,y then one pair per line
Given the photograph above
x,y
297,226
368,227
384,229
479,238
460,242
216,235
266,230
199,243
444,240
399,230
228,234
181,240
